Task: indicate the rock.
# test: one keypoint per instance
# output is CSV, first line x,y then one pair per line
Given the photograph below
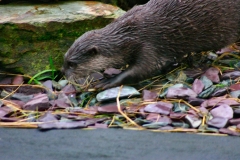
x,y
235,87
153,117
48,84
149,95
56,85
69,90
212,56
17,80
237,111
235,94
63,83
234,121
90,111
4,111
59,104
212,74
159,107
225,49
165,91
62,125
141,121
229,132
109,72
193,72
51,95
31,33
218,122
48,117
49,89
63,97
219,92
180,124
208,129
157,118
207,82
99,125
206,93
166,128
131,102
38,103
219,101
177,115
195,101
159,122
22,97
193,120
227,82
112,93
121,3
203,111
180,93
110,108
231,75
155,125
197,86
223,111
180,107
73,100
19,104
1,103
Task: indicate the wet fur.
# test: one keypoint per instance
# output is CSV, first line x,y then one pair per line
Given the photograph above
x,y
151,36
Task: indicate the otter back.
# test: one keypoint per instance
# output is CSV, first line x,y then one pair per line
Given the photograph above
x,y
150,37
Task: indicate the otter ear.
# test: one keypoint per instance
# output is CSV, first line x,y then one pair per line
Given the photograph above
x,y
93,50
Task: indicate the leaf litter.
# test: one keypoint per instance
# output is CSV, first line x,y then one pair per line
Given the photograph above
x,y
202,98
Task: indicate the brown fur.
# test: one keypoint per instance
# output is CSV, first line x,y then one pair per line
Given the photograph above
x,y
149,37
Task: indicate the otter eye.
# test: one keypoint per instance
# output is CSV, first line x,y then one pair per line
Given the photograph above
x,y
72,65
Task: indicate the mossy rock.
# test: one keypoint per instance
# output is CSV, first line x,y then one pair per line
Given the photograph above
x,y
124,4
31,34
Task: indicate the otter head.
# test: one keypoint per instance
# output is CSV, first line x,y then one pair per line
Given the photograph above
x,y
92,52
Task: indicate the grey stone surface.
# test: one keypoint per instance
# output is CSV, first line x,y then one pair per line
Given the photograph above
x,y
114,144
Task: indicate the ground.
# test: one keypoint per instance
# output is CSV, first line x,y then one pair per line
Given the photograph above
x,y
114,144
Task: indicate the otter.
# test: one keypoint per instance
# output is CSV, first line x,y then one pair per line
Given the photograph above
x,y
152,36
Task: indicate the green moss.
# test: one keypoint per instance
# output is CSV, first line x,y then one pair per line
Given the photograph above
x,y
31,46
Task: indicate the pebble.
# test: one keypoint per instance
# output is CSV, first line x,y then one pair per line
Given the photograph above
x,y
222,111
159,107
112,93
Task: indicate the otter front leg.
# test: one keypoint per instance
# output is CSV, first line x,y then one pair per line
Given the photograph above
x,y
123,78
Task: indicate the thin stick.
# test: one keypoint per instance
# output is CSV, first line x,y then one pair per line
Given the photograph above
x,y
123,114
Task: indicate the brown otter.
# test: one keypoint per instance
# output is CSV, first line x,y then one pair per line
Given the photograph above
x,y
150,36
